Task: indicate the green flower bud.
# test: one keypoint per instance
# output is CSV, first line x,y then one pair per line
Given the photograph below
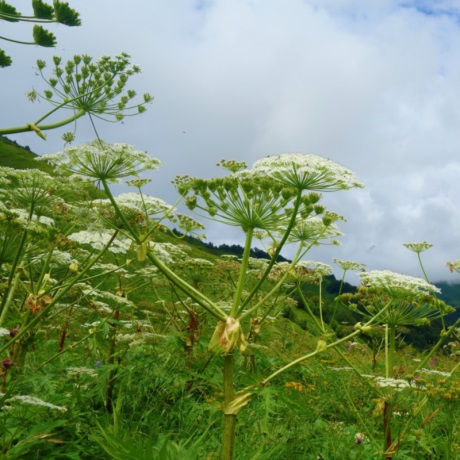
x,y
321,346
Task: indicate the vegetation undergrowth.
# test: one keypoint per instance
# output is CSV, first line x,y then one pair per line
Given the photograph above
x,y
121,340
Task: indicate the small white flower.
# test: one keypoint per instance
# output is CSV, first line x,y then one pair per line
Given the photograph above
x,y
33,401
434,371
76,371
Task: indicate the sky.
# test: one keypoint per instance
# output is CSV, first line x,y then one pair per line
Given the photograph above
x,y
372,85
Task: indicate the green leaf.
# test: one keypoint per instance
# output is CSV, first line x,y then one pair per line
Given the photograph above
x,y
43,37
5,60
66,15
42,10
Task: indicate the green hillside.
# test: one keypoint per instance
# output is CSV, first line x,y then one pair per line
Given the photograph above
x,y
15,156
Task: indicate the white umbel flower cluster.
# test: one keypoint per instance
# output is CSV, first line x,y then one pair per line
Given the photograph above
x,y
98,240
397,384
77,371
318,269
144,203
349,265
387,279
307,172
102,161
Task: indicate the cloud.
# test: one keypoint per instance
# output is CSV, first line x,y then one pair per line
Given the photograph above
x,y
371,85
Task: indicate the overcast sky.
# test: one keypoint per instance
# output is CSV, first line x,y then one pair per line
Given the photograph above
x,y
373,85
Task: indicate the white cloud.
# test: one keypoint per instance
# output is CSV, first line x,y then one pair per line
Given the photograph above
x,y
371,85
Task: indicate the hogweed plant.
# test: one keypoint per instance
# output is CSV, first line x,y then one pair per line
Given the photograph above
x,y
278,196
276,200
394,300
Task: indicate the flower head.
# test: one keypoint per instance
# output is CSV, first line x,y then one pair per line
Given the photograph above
x,y
418,247
102,161
399,300
313,230
397,283
98,240
307,172
454,266
347,265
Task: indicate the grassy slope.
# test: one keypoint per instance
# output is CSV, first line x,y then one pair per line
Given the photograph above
x,y
14,156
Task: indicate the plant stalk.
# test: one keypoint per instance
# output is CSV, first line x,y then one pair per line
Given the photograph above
x,y
228,443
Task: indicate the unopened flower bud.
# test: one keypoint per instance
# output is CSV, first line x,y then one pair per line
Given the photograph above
x,y
73,267
322,346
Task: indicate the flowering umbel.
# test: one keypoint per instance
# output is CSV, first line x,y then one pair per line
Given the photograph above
x,y
102,161
400,300
307,172
418,247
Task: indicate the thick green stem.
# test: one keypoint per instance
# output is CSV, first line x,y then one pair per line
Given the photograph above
x,y
9,298
228,442
277,251
387,409
276,288
196,295
17,41
390,334
111,361
28,127
321,305
14,266
428,281
443,338
77,114
33,19
331,345
243,272
422,267
307,307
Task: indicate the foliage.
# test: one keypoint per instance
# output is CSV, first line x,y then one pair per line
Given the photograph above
x,y
120,339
